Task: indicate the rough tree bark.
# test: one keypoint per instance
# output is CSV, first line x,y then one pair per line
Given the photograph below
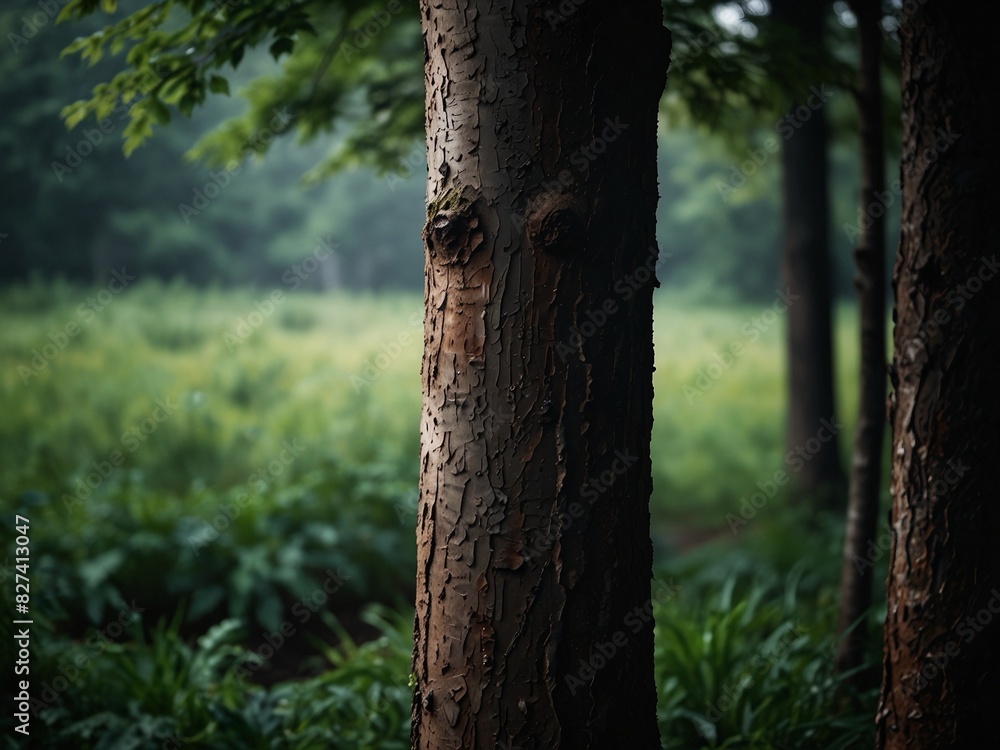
x,y
866,461
807,270
941,674
533,526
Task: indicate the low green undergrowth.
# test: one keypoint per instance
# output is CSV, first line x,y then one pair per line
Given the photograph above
x,y
741,661
163,692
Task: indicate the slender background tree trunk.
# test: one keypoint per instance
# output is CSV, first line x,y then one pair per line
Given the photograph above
x,y
807,270
533,547
866,460
941,680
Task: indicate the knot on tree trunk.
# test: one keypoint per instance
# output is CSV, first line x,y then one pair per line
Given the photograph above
x,y
554,225
453,230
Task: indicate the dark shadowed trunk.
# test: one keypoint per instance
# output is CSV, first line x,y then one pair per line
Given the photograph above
x,y
941,680
534,559
866,459
806,269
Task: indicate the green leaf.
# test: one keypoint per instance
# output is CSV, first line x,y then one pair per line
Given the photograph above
x,y
186,103
269,608
284,44
73,114
159,111
93,50
94,572
75,46
137,131
218,85
205,599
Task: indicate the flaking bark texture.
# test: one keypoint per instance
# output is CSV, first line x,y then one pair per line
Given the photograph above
x,y
866,460
806,268
541,143
941,679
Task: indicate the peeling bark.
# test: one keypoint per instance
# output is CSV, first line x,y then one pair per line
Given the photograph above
x,y
541,143
866,462
941,673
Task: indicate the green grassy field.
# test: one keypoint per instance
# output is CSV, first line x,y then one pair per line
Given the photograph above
x,y
218,458
301,374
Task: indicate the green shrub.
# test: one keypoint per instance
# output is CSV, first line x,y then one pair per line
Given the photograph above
x,y
749,664
164,693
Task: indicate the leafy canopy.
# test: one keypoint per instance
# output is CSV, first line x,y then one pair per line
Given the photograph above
x,y
354,67
356,64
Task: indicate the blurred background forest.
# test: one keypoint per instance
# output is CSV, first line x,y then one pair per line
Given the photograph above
x,y
206,446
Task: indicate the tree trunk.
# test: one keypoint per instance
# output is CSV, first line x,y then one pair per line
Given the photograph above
x,y
866,463
806,269
330,273
533,551
941,678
